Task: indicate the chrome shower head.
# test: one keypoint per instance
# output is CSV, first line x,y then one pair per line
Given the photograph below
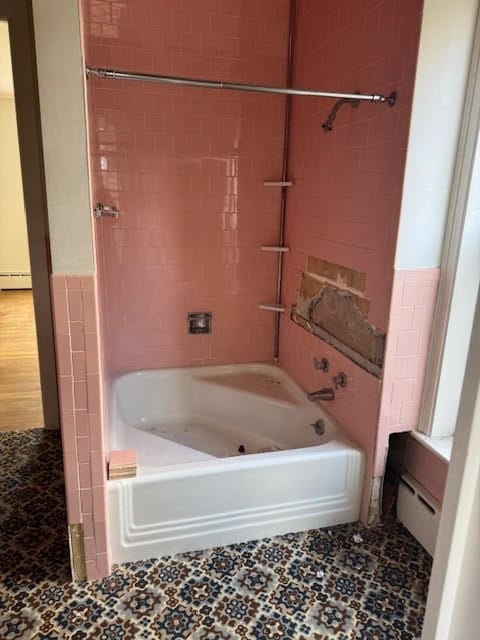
x,y
328,124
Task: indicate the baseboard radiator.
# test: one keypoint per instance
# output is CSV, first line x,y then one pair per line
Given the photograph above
x,y
15,280
419,512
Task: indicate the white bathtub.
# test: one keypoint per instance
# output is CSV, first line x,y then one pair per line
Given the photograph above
x,y
195,489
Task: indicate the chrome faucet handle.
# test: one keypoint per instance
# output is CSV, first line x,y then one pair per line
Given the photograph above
x,y
340,380
322,364
102,210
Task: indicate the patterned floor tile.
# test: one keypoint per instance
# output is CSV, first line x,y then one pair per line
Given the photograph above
x,y
316,585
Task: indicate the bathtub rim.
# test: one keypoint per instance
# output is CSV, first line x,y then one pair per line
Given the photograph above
x,y
214,465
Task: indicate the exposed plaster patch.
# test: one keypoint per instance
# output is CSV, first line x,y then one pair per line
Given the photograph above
x,y
311,287
339,317
337,312
341,277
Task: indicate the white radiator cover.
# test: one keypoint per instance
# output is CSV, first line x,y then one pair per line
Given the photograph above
x,y
15,281
419,512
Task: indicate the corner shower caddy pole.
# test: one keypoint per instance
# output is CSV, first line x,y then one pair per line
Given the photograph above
x,y
115,74
283,196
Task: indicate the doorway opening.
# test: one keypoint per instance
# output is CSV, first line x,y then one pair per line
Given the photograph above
x,y
20,392
34,543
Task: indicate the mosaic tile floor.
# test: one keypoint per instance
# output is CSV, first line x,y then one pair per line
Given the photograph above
x,y
310,586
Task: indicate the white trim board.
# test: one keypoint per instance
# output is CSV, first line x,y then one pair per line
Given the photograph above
x,y
459,269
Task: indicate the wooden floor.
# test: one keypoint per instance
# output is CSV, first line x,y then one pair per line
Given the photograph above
x,y
20,395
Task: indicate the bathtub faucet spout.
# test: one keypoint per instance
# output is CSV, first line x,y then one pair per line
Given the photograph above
x,y
326,393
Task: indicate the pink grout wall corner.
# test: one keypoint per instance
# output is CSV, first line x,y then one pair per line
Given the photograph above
x,y
345,204
79,380
411,314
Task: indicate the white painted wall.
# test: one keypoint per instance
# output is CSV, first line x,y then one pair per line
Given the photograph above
x,y
445,45
14,256
62,108
6,77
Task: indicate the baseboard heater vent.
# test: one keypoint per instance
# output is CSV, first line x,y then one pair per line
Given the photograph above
x,y
419,512
15,280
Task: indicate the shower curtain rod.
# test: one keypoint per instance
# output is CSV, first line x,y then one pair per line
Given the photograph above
x,y
235,86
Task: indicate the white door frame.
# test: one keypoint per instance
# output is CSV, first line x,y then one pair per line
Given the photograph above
x,y
454,561
459,272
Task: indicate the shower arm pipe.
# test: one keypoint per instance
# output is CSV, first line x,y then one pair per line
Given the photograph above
x,y
115,74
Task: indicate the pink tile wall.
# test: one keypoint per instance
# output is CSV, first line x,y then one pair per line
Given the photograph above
x,y
411,314
355,407
79,372
185,167
345,203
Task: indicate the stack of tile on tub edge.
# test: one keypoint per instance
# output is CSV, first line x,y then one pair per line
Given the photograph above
x,y
122,464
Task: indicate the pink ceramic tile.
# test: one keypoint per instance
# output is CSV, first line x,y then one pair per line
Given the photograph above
x,y
88,530
101,536
422,275
408,343
409,413
68,434
402,390
92,353
96,439
81,423
83,449
104,567
87,283
77,336
91,570
394,413
71,471
60,311
73,506
93,392
89,546
405,318
75,305
99,506
59,282
65,389
84,475
80,394
414,293
63,354
86,500
89,310
79,365
73,282
98,468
